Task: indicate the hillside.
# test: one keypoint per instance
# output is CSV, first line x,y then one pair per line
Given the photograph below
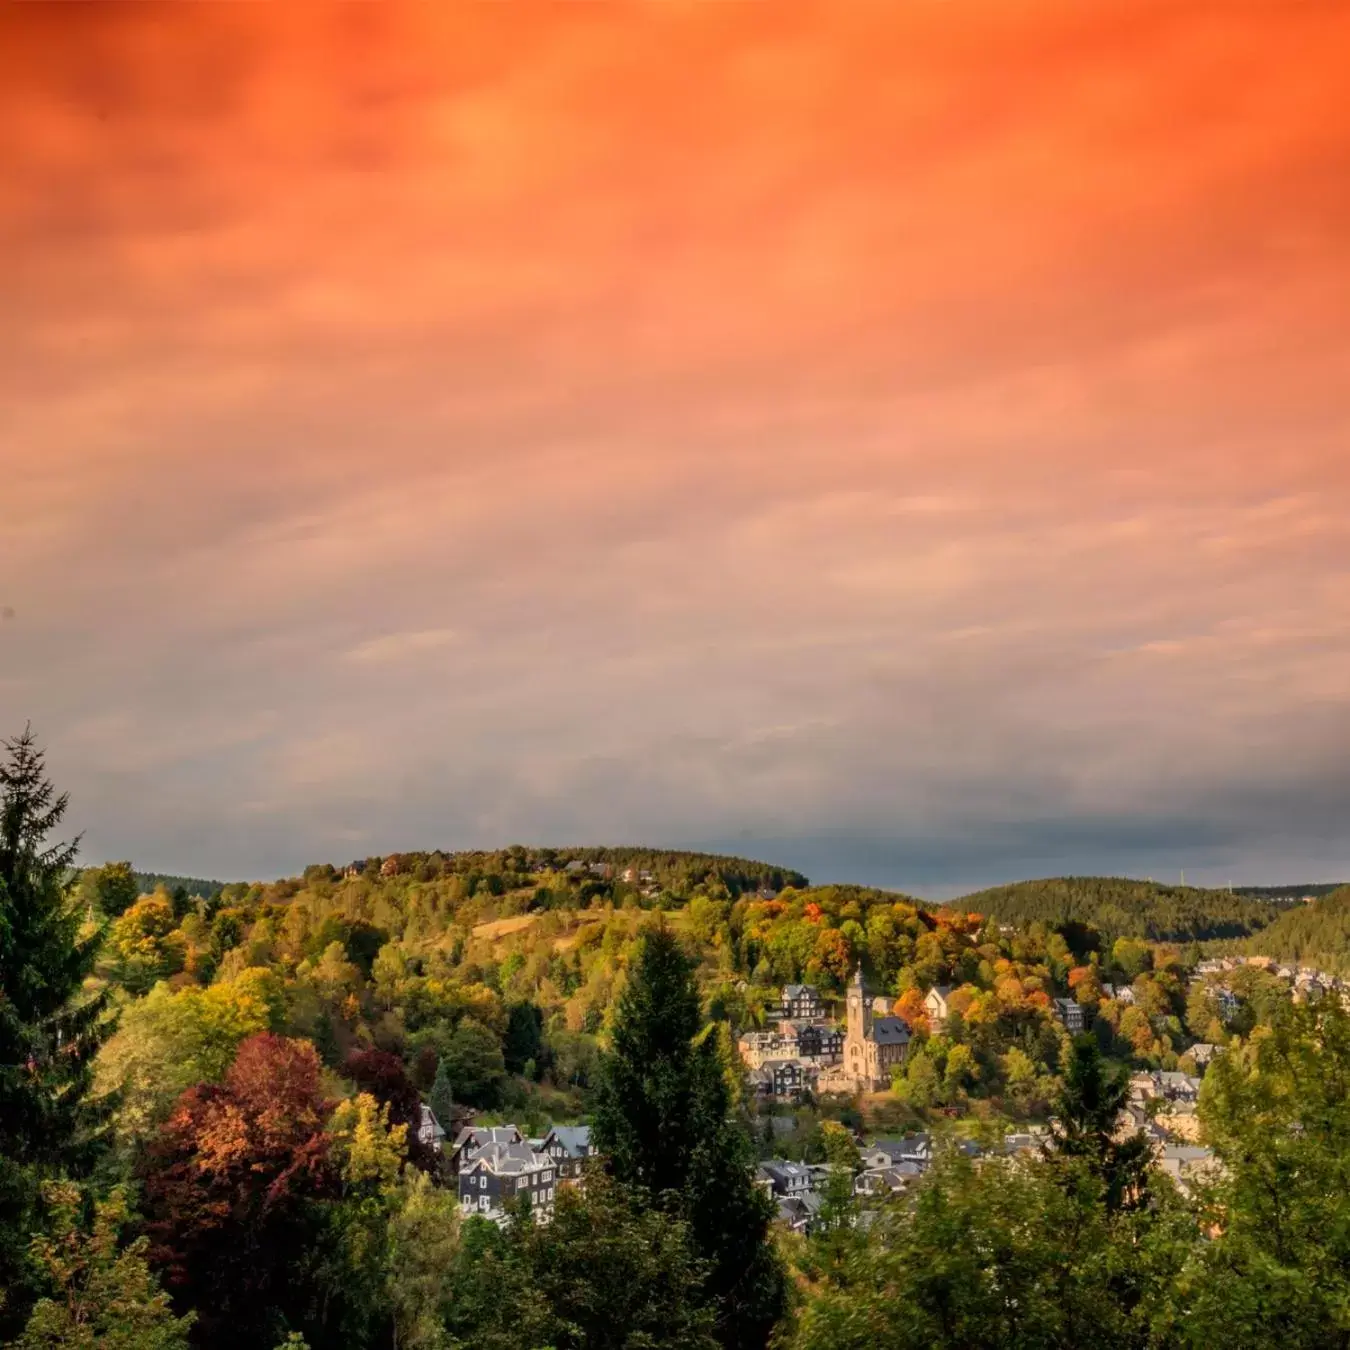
x,y
1122,907
1313,935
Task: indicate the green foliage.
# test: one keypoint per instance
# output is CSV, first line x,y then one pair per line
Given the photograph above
x,y
102,1294
1316,935
999,1254
662,1123
474,1061
49,1031
1277,1113
1086,1125
606,1273
111,889
1118,907
442,1098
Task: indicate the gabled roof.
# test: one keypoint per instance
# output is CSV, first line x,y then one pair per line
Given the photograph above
x,y
507,1160
473,1137
575,1139
799,991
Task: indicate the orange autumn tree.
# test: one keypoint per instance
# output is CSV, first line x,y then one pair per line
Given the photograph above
x,y
230,1186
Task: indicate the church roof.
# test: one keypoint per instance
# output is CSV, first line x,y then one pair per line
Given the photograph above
x,y
889,1031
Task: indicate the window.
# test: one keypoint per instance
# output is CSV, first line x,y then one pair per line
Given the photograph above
x,y
520,1185
548,1176
482,1202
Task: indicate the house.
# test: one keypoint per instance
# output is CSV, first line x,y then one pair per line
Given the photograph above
x,y
569,1146
429,1129
499,1173
801,1003
1070,1012
1178,1087
1229,1003
821,1043
759,1047
798,1212
781,1079
872,1046
783,1179
1184,1162
473,1138
887,1180
1203,1053
883,1153
937,1005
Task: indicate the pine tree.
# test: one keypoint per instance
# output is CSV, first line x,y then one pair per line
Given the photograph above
x,y
442,1100
1086,1119
48,1034
663,1123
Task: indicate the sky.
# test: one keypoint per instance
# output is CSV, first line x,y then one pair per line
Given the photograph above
x,y
909,442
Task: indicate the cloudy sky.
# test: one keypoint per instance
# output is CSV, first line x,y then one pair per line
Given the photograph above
x,y
911,442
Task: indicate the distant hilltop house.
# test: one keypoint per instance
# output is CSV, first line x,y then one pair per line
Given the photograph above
x,y
937,1005
1070,1012
872,1046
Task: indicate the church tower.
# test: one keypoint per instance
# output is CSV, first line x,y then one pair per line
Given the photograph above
x,y
859,1011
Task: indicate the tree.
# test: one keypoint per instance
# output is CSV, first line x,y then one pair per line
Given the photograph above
x,y
662,1123
103,1295
442,1099
1087,1116
145,944
173,1039
1277,1113
473,1059
230,1187
615,1274
112,888
1002,1255
386,1078
423,1246
524,1043
49,1032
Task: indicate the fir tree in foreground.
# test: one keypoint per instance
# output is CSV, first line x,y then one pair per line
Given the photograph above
x,y
663,1123
48,1033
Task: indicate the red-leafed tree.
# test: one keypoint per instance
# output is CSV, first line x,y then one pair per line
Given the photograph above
x,y
386,1078
231,1185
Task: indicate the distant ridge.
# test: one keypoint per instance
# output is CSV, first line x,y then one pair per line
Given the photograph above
x,y
1124,907
199,886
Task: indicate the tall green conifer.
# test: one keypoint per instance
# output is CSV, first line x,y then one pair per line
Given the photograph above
x,y
48,1033
663,1123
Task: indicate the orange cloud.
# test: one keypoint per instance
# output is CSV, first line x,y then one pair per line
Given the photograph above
x,y
787,416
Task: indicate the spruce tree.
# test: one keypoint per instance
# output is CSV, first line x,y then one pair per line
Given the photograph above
x,y
48,1033
663,1123
1087,1116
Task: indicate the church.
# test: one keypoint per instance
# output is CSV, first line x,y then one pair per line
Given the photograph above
x,y
871,1046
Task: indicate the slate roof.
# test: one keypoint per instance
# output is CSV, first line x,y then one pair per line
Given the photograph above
x,y
889,1031
506,1160
575,1139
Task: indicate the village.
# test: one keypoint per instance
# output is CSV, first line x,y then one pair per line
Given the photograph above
x,y
802,1054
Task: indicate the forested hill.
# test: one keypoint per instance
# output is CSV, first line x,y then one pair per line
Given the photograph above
x,y
675,871
1121,907
194,886
1313,935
